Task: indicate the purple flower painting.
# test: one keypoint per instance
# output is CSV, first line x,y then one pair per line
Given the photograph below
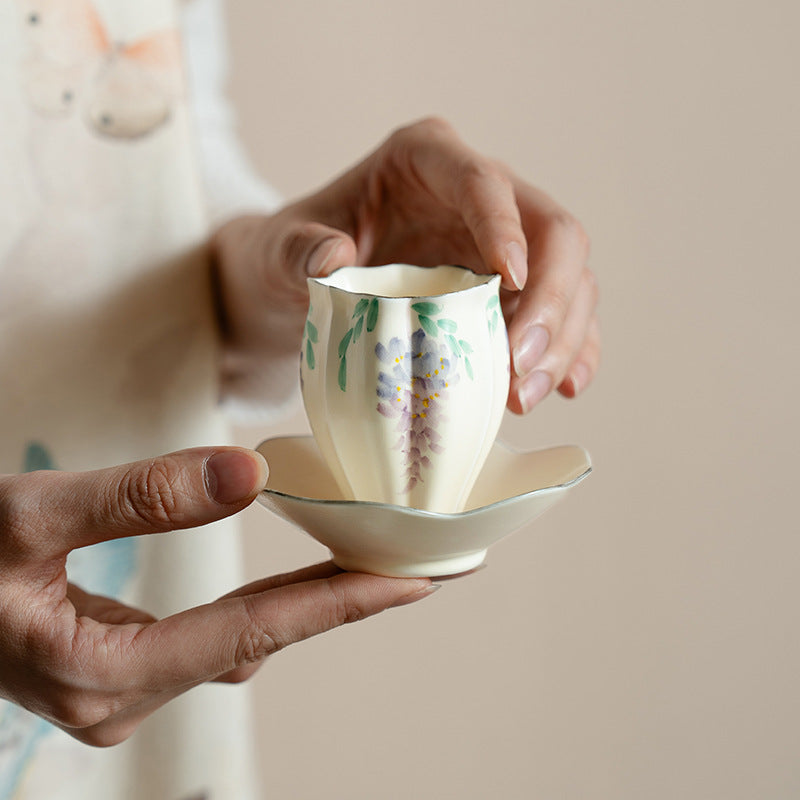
x,y
413,389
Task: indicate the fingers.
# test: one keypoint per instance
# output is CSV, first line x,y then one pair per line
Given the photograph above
x,y
474,186
532,242
584,367
326,569
552,315
570,360
239,631
55,512
115,672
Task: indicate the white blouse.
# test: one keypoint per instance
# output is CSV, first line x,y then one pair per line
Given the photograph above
x,y
117,156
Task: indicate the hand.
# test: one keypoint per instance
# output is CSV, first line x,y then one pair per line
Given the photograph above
x,y
97,668
423,197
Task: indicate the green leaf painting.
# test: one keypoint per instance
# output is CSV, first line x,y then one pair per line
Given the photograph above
x,y
361,307
427,309
365,312
345,343
312,337
310,360
372,314
493,312
428,325
454,345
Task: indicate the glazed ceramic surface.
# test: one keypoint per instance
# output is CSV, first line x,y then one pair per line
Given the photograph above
x,y
405,374
513,489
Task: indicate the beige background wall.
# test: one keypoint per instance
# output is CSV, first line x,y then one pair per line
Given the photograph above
x,y
641,640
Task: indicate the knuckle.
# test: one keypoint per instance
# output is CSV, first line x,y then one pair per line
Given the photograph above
x,y
149,494
435,125
486,224
472,177
351,612
558,301
344,609
257,640
255,644
565,225
431,126
477,180
429,135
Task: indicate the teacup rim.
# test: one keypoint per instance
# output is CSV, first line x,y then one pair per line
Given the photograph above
x,y
486,279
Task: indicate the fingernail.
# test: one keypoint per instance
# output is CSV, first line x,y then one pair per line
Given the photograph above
x,y
233,475
516,264
321,256
420,595
533,389
530,349
579,377
568,387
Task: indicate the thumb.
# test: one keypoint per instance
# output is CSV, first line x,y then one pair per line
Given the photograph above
x,y
318,250
180,490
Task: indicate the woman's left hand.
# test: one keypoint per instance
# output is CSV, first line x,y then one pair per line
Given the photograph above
x,y
423,197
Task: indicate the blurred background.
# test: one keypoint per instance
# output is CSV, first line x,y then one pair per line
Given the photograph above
x,y
641,639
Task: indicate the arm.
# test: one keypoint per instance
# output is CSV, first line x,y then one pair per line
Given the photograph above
x,y
234,191
232,185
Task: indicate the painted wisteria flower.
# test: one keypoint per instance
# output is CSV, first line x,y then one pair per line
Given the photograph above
x,y
414,389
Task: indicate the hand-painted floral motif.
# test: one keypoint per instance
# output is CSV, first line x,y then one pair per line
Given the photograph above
x,y
365,309
493,312
414,389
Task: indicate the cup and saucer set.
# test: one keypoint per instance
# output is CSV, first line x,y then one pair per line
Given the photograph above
x,y
405,374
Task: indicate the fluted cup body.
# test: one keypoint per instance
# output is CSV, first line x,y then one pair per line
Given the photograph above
x,y
405,374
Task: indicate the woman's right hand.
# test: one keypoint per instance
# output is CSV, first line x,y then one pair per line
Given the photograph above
x,y
95,667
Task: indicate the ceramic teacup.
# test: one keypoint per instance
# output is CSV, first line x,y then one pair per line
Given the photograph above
x,y
405,374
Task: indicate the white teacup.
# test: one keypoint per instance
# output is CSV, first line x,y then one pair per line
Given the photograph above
x,y
405,374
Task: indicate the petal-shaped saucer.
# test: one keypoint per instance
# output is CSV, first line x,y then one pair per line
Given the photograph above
x,y
512,490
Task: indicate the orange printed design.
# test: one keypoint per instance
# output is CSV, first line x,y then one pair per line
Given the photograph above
x,y
122,90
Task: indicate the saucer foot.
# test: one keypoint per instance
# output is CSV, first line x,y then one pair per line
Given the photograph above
x,y
434,568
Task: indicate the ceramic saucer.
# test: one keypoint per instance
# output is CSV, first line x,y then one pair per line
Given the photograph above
x,y
512,490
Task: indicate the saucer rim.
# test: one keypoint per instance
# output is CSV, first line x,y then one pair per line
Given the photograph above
x,y
424,512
